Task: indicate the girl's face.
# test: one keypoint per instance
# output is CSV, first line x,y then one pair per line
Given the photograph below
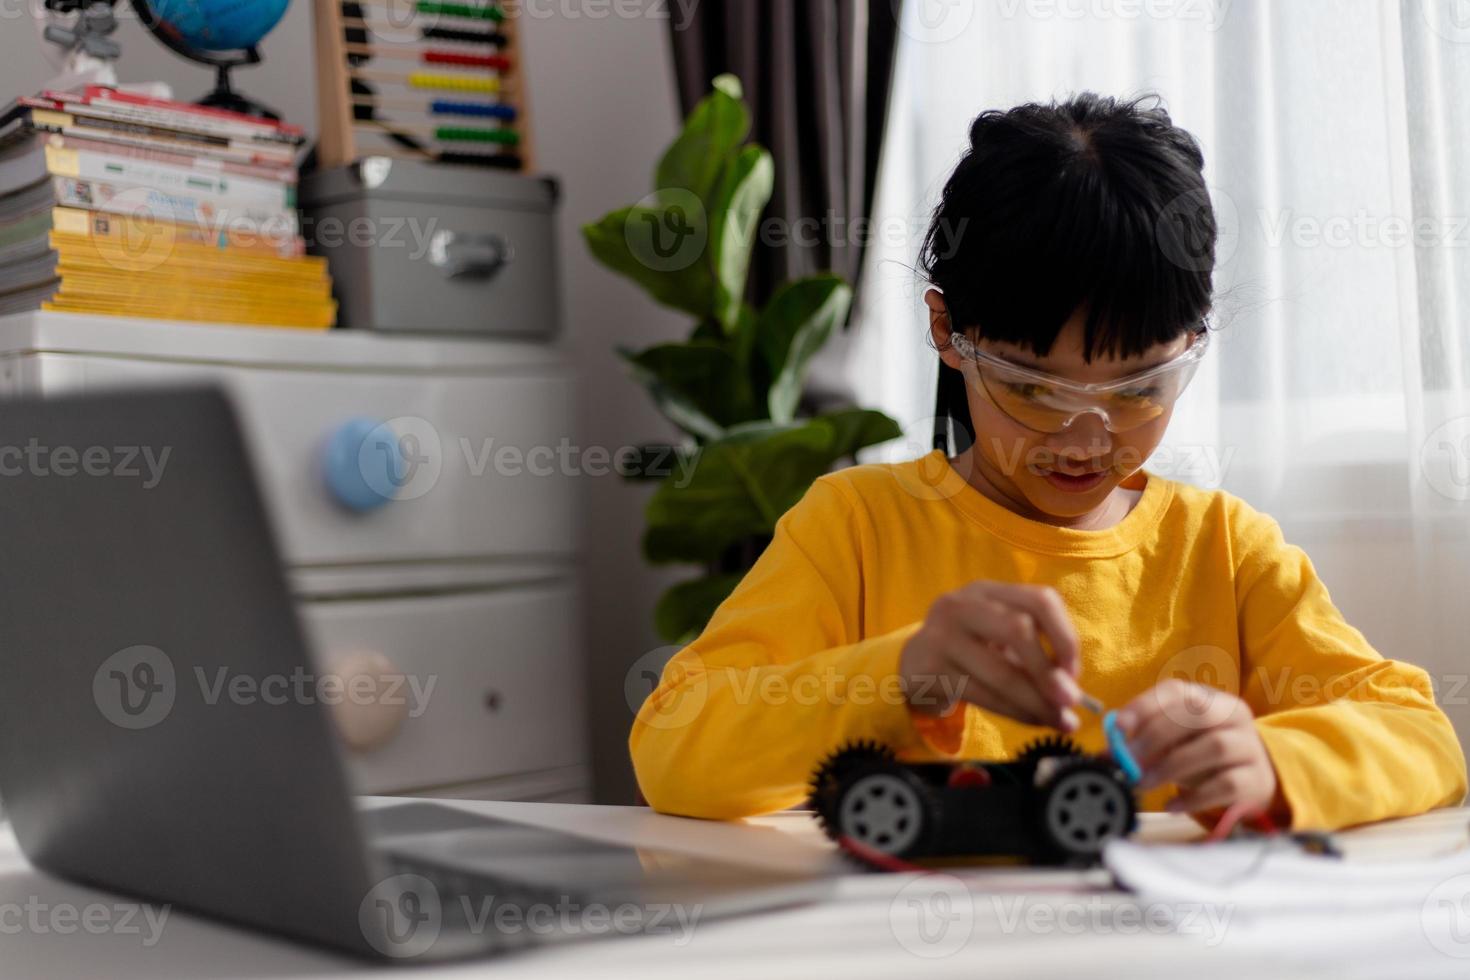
x,y
1063,475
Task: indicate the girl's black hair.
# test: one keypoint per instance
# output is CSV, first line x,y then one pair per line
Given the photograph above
x,y
1088,203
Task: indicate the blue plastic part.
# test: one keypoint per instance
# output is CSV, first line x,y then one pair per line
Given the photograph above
x,y
363,464
1118,746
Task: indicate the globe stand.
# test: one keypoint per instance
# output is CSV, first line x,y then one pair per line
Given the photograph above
x,y
226,97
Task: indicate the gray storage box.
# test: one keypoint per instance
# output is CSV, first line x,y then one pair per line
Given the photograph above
x,y
424,248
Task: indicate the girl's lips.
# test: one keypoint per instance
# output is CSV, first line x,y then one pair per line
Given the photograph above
x,y
1075,484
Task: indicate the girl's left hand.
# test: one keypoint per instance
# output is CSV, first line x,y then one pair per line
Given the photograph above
x,y
1204,740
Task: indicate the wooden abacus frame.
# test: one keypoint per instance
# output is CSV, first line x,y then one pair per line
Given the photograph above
x,y
446,73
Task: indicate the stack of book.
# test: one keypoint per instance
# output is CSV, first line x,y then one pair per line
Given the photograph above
x,y
115,204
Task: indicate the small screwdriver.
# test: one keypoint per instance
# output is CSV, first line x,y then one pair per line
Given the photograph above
x,y
1117,745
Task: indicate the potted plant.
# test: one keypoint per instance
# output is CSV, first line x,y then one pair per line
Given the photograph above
x,y
734,386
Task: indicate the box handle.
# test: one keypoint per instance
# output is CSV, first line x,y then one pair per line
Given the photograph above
x,y
464,256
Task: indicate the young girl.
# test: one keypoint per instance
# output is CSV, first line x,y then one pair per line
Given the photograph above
x,y
959,607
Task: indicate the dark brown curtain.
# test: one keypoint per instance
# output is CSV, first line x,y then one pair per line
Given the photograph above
x,y
817,75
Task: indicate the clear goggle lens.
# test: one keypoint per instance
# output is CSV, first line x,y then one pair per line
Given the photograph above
x,y
1046,403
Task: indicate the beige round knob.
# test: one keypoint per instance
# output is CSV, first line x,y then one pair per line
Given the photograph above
x,y
372,701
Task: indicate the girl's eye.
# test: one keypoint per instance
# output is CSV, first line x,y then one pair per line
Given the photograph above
x,y
1146,394
1027,389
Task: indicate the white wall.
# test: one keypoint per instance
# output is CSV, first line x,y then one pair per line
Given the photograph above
x,y
602,96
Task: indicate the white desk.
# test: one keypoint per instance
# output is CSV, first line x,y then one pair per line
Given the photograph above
x,y
1006,923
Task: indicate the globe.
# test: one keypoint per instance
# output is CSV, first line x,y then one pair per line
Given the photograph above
x,y
219,33
220,25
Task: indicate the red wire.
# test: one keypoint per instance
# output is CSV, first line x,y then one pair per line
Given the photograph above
x,y
876,859
1234,814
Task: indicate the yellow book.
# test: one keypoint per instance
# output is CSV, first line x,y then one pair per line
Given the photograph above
x,y
303,319
104,284
123,234
161,251
262,287
203,308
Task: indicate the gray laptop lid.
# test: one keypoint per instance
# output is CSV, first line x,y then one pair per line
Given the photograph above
x,y
138,580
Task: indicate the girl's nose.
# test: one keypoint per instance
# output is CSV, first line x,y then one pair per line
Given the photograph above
x,y
1085,436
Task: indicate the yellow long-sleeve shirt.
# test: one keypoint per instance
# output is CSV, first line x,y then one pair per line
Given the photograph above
x,y
803,656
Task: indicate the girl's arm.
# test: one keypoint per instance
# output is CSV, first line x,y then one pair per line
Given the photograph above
x,y
1354,737
779,679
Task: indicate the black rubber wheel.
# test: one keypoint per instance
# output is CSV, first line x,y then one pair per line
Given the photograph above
x,y
885,807
1082,806
833,775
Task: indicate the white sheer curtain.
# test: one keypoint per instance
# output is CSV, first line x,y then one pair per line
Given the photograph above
x,y
1337,140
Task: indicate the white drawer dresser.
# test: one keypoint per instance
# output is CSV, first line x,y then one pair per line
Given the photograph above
x,y
462,584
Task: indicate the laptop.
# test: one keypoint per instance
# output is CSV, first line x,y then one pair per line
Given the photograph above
x,y
138,563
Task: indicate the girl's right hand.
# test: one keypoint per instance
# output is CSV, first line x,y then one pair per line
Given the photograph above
x,y
982,643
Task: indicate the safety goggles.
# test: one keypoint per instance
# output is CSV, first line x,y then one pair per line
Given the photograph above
x,y
1046,403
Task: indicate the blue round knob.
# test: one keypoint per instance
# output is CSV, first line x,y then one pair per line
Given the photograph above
x,y
363,464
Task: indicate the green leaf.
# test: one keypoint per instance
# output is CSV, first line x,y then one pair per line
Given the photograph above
x,y
660,248
792,328
744,191
704,375
711,135
684,609
740,486
858,428
742,483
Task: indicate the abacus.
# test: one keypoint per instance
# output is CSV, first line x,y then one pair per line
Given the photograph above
x,y
421,79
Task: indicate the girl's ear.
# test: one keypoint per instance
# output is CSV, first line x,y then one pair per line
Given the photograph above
x,y
940,327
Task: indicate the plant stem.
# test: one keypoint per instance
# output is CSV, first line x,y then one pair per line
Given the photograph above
x,y
768,511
